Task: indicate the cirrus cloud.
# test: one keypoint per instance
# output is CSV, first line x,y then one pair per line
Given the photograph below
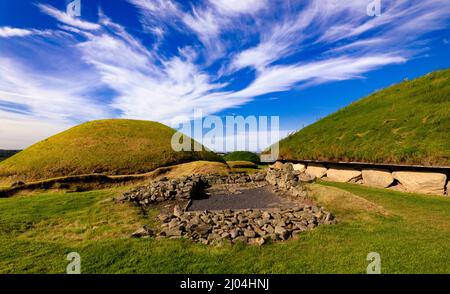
x,y
197,55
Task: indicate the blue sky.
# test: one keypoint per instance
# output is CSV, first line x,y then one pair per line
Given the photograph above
x,y
160,59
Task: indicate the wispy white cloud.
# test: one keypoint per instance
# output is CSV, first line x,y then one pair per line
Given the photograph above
x,y
239,6
259,57
274,40
158,15
283,78
7,32
67,19
208,27
34,105
48,97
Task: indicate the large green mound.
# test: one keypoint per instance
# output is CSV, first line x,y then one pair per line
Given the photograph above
x,y
242,156
408,123
113,146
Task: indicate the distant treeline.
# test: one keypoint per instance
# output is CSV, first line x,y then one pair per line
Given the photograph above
x,y
7,153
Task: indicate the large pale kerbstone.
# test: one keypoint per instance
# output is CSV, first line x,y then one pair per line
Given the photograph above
x,y
422,182
277,165
381,178
316,169
343,174
300,167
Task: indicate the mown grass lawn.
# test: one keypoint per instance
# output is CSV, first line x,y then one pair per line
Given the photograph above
x,y
411,232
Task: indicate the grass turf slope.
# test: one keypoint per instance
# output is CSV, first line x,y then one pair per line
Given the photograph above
x,y
411,233
112,146
408,123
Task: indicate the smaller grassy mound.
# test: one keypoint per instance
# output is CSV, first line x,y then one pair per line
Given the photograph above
x,y
192,168
110,147
242,156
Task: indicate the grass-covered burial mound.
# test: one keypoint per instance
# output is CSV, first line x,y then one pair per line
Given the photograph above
x,y
114,146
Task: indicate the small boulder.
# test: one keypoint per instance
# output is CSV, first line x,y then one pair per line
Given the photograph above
x,y
142,232
174,233
249,233
177,211
203,229
256,241
240,239
234,233
281,232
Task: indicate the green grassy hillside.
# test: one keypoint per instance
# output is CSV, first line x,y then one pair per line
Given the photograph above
x,y
408,123
242,156
107,146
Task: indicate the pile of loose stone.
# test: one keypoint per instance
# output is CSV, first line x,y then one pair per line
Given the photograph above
x,y
284,178
185,188
240,178
251,226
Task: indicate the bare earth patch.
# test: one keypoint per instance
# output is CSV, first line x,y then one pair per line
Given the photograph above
x,y
242,198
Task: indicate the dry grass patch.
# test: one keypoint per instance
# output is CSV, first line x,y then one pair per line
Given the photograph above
x,y
191,168
242,164
346,204
94,181
74,217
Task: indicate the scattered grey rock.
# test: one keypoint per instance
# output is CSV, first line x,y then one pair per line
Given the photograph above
x,y
251,226
177,211
142,232
285,179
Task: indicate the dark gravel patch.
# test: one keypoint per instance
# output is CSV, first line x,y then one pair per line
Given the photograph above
x,y
254,198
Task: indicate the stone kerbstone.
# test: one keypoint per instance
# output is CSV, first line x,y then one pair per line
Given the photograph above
x,y
422,182
380,178
343,174
306,178
277,165
300,167
316,169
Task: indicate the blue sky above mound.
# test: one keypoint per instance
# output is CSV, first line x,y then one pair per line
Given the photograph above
x,y
160,59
